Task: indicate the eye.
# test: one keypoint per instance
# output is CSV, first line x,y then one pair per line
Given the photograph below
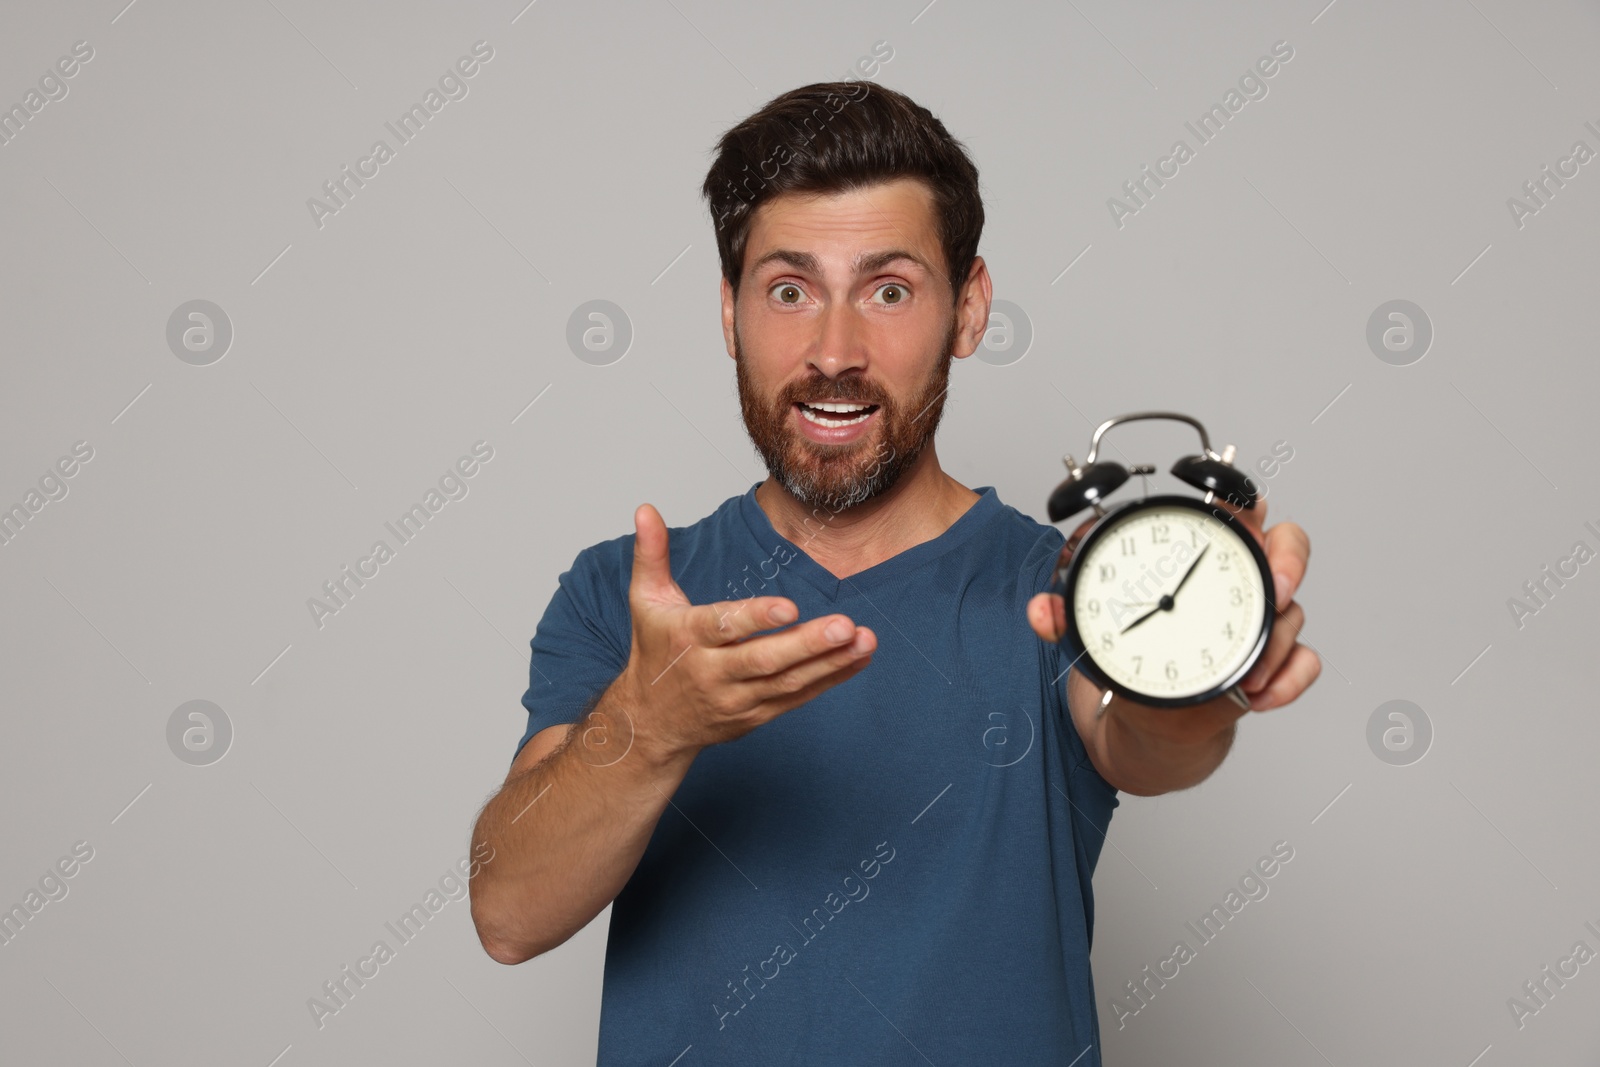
x,y
787,293
893,292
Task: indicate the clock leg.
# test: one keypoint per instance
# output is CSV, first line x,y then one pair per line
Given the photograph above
x,y
1105,702
1239,698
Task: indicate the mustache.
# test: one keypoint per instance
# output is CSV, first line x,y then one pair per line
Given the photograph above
x,y
851,390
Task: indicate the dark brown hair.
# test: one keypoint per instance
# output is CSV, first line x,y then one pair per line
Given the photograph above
x,y
832,137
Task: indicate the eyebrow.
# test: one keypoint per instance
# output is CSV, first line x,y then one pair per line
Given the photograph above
x,y
865,262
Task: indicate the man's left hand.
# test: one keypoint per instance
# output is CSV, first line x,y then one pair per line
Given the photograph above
x,y
1285,670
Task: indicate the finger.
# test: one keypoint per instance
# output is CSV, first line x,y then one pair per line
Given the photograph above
x,y
652,569
780,704
728,621
1288,550
802,676
762,656
1282,642
1047,614
1292,679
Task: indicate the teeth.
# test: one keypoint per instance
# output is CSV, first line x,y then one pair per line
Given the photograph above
x,y
832,423
840,407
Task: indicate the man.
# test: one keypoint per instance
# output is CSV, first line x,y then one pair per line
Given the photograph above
x,y
845,806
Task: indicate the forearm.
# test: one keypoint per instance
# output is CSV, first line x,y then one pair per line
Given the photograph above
x,y
1148,751
566,836
1149,761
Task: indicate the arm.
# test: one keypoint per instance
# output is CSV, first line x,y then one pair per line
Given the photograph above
x,y
1148,751
572,820
566,831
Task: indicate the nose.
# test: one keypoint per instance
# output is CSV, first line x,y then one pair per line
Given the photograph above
x,y
841,344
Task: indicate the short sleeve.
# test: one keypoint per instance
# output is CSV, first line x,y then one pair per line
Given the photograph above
x,y
581,643
1082,773
1089,789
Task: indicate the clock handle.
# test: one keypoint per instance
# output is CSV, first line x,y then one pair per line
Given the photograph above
x,y
1100,431
1090,484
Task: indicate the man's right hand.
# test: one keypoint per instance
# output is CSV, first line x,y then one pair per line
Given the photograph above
x,y
696,675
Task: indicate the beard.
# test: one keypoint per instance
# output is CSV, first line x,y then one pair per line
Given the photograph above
x,y
837,477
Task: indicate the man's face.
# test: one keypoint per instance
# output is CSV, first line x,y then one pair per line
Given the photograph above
x,y
844,300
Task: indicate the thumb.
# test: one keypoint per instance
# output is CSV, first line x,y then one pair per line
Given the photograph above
x,y
652,567
1047,614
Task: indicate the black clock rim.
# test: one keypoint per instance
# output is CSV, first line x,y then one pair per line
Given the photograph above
x,y
1083,660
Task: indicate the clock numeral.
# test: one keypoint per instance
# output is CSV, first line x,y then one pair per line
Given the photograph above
x,y
1092,607
1128,547
1223,563
1138,663
1227,631
1108,571
1105,641
1171,670
1205,658
1235,595
1160,534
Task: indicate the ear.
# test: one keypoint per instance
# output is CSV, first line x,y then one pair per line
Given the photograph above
x,y
972,309
727,317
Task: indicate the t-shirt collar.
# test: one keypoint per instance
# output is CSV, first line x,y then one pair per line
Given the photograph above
x,y
794,559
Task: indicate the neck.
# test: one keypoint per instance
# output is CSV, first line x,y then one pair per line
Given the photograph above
x,y
922,504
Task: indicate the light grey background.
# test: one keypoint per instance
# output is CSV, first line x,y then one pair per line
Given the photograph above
x,y
372,352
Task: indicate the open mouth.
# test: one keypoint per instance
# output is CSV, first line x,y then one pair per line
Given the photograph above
x,y
834,416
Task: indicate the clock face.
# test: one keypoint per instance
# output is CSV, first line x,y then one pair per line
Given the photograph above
x,y
1169,601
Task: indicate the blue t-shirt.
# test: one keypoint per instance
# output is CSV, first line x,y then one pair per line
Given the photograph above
x,y
896,872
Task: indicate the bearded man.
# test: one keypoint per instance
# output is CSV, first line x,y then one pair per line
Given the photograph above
x,y
820,755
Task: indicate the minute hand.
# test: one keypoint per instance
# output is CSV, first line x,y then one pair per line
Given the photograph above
x,y
1190,571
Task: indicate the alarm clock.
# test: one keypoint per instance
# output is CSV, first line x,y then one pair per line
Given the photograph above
x,y
1169,598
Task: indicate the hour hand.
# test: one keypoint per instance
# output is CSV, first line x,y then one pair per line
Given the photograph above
x,y
1160,606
